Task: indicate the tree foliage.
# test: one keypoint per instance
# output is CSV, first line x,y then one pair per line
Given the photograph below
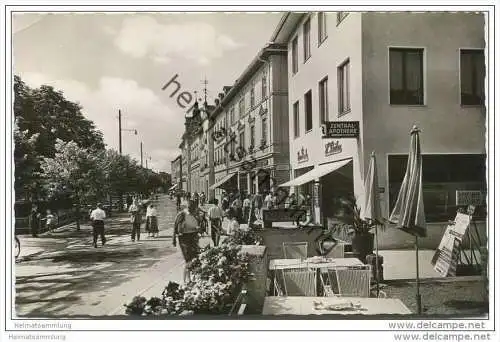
x,y
42,116
60,154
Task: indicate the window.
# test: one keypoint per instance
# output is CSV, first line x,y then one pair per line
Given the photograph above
x,y
323,100
242,139
252,135
406,76
308,110
343,80
307,39
232,146
231,116
242,107
442,176
296,120
295,55
472,75
322,35
252,96
341,16
264,87
264,130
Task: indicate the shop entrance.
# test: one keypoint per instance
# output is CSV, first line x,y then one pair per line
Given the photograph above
x,y
337,184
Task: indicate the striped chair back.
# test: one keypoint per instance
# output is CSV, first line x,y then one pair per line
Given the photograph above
x,y
353,282
295,250
299,282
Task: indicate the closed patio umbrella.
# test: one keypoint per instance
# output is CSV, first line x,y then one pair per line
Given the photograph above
x,y
371,208
408,213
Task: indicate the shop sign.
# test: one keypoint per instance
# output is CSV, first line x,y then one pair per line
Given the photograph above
x,y
302,155
340,129
332,148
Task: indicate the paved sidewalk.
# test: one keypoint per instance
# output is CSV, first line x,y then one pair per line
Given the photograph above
x,y
60,274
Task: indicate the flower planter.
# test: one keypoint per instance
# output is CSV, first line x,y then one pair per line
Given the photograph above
x,y
362,245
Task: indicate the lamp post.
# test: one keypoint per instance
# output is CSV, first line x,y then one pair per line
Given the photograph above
x,y
141,155
120,130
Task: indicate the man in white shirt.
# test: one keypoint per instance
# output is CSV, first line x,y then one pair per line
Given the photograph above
x,y
215,215
97,216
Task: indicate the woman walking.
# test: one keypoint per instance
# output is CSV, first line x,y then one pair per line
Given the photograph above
x,y
152,221
186,227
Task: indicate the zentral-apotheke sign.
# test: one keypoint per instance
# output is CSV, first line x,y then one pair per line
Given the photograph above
x,y
340,129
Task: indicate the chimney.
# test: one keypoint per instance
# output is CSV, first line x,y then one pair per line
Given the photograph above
x,y
221,96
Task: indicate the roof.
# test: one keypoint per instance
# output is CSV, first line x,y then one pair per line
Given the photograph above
x,y
286,27
268,50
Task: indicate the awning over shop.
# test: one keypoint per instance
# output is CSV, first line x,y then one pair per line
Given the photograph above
x,y
223,181
173,187
317,172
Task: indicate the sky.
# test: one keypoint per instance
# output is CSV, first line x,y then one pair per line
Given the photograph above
x,y
112,61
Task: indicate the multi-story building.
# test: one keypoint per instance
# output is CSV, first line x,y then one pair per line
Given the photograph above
x,y
176,172
387,72
185,161
250,126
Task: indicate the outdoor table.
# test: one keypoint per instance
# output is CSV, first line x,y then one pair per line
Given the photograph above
x,y
281,264
361,306
316,264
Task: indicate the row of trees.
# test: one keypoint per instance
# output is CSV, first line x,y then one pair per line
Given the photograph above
x,y
59,154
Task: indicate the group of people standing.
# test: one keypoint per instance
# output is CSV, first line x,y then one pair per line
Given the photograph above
x,y
37,221
136,211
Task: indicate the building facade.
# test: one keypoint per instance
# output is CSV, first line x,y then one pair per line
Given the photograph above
x,y
250,127
387,72
176,172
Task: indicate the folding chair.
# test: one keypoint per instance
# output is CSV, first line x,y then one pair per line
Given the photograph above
x,y
327,286
240,304
336,252
354,281
295,250
299,282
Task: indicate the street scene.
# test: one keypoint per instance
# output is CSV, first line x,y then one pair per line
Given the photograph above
x,y
234,165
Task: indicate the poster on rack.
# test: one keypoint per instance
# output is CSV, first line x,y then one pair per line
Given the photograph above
x,y
446,257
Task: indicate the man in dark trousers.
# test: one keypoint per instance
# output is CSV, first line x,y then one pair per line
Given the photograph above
x,y
34,220
136,219
97,216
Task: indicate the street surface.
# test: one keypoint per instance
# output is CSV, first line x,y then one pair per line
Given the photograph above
x,y
60,274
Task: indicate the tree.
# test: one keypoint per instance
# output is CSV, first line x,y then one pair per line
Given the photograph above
x,y
74,172
42,116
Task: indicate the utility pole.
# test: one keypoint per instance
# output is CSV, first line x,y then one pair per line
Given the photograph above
x,y
120,131
141,157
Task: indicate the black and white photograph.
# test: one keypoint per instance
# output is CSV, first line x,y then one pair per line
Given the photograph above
x,y
249,168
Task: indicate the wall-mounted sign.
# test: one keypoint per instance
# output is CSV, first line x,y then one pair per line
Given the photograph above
x,y
332,148
302,155
340,129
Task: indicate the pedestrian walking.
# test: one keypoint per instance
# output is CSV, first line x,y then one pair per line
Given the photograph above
x,y
246,208
50,220
178,200
233,225
237,207
97,216
186,228
196,199
35,221
152,221
268,201
215,215
225,202
136,220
